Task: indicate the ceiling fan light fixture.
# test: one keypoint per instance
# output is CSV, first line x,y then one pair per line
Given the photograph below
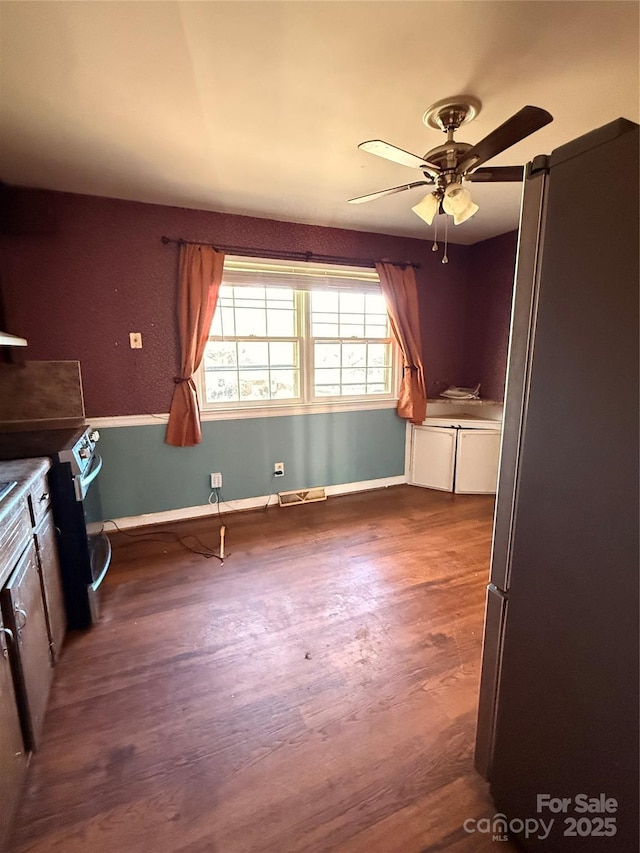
x,y
467,213
457,203
427,208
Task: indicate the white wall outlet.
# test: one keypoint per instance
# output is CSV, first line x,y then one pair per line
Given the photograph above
x,y
135,340
278,469
216,481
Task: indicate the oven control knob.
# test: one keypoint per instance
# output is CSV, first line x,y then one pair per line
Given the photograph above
x,y
85,452
94,435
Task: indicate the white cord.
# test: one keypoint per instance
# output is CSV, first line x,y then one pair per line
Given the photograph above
x,y
216,502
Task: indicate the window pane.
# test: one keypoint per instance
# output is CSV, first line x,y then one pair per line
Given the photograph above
x,y
375,303
378,354
376,331
280,324
250,321
351,331
253,353
327,355
376,374
227,323
225,295
351,302
319,317
221,387
357,375
327,375
283,354
354,355
284,384
220,354
361,390
327,302
325,330
254,384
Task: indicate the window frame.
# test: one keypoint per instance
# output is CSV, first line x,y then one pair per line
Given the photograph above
x,y
307,401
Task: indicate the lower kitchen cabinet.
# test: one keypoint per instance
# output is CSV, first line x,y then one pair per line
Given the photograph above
x,y
24,614
51,581
433,458
455,460
13,755
477,460
32,621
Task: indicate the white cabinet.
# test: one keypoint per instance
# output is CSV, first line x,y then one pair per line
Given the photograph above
x,y
433,457
477,458
455,459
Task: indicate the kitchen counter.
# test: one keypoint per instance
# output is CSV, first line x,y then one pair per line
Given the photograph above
x,y
464,420
442,412
25,472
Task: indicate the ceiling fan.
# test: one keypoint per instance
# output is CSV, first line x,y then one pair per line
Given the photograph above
x,y
447,165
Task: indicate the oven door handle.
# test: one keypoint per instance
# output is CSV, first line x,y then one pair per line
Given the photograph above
x,y
82,482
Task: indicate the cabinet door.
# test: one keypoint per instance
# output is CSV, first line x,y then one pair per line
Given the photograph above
x,y
477,461
13,755
23,613
51,584
433,457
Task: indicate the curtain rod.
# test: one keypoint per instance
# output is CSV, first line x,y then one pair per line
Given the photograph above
x,y
287,256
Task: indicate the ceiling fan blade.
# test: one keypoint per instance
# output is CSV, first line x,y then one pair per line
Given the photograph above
x,y
362,198
397,155
496,174
519,126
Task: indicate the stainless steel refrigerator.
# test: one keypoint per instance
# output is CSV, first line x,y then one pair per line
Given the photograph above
x,y
558,715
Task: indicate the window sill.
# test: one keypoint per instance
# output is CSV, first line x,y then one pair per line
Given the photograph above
x,y
297,409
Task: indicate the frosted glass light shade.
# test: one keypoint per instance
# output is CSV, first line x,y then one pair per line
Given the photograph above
x,y
427,208
457,203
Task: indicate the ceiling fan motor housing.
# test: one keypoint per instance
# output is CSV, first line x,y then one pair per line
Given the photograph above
x,y
446,158
449,113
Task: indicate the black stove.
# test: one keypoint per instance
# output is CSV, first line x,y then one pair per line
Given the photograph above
x,y
70,444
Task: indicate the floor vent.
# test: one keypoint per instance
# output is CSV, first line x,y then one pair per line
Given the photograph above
x,y
304,496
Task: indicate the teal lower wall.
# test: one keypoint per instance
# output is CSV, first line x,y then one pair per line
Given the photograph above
x,y
142,474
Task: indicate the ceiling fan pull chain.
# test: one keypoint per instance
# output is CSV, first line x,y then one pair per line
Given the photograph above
x,y
434,248
445,259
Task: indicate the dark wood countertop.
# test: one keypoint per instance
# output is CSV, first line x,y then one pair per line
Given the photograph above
x,y
25,472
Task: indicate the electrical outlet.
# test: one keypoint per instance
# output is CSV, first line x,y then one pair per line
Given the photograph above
x,y
278,469
216,481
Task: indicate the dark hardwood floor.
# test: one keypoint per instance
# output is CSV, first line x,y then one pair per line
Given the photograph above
x,y
317,692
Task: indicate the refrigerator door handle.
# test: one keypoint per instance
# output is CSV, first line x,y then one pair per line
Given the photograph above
x,y
496,609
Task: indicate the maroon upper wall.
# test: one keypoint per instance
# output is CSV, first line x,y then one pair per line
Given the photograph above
x,y
77,292
491,266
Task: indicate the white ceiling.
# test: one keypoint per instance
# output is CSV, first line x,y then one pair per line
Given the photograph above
x,y
258,107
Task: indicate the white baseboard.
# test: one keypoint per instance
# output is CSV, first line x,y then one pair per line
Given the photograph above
x,y
233,506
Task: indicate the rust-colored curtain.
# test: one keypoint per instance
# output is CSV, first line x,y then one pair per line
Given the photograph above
x,y
198,288
401,293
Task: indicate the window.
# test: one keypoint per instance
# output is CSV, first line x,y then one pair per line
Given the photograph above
x,y
295,335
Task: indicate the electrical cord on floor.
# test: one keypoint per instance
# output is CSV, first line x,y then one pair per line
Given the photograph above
x,y
271,493
173,537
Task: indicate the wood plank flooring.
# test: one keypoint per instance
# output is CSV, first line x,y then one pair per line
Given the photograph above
x,y
317,692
